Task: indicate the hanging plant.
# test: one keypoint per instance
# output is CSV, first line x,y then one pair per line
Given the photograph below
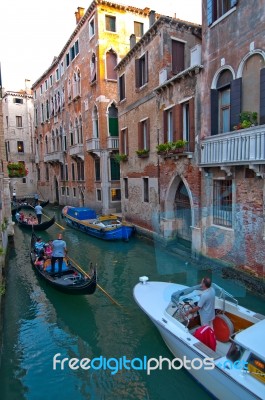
x,y
16,170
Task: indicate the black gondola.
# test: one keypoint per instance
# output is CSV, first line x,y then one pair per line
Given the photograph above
x,y
15,210
30,206
72,280
38,227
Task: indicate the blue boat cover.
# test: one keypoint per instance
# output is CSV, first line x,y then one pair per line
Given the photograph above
x,y
56,269
81,213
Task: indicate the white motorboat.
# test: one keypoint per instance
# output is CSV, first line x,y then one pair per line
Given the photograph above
x,y
236,368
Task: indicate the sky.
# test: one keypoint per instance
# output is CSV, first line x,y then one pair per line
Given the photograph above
x,y
32,32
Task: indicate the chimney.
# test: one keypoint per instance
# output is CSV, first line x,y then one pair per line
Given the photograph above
x,y
152,18
79,14
132,40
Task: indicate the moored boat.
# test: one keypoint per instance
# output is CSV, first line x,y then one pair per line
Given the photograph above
x,y
107,227
37,227
236,367
72,279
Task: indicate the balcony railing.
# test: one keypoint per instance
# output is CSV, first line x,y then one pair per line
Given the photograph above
x,y
77,150
113,142
246,146
92,144
56,156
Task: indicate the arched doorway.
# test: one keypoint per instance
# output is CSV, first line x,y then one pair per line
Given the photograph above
x,y
182,211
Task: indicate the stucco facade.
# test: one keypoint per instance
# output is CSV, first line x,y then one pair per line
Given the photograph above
x,y
77,136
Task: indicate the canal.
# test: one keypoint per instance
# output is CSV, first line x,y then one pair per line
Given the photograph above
x,y
40,322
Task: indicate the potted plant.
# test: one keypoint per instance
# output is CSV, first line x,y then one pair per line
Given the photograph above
x,y
120,157
16,170
163,148
247,119
178,146
142,153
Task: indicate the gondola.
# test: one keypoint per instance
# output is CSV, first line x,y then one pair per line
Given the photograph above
x,y
15,210
29,206
72,280
38,227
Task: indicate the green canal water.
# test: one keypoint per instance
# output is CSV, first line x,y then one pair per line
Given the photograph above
x,y
40,322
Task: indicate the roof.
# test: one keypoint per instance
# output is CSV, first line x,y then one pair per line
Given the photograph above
x,y
252,338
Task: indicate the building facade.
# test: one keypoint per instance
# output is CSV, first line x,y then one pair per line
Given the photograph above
x,y
233,132
159,114
76,115
18,140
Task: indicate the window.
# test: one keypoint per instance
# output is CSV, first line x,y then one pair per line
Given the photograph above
x,y
38,173
168,125
186,121
97,169
222,202
80,171
122,87
113,121
95,122
91,28
57,74
177,56
20,146
138,29
111,62
217,8
63,190
67,59
126,189
146,189
93,68
46,84
41,89
98,194
47,172
74,192
144,135
17,100
7,121
115,194
51,80
66,172
221,120
76,84
110,23
73,171
114,169
61,68
18,121
67,191
47,110
141,70
62,172
124,147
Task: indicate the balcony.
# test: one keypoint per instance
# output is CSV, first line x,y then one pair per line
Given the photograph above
x,y
92,145
243,147
113,143
77,150
55,157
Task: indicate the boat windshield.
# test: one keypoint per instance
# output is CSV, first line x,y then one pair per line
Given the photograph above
x,y
223,294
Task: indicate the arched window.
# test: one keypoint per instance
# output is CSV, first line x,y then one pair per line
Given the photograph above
x,y
76,84
111,62
251,84
93,68
81,129
57,141
95,122
221,103
77,130
113,120
53,142
71,134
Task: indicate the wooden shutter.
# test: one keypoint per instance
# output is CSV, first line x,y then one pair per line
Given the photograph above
x,y
214,112
148,133
137,73
262,97
177,56
165,125
121,149
111,62
192,125
140,136
235,102
146,67
177,122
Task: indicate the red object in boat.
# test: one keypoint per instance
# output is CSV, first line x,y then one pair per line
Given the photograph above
x,y
223,328
206,335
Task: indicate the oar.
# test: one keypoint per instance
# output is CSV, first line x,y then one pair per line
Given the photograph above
x,y
60,226
104,291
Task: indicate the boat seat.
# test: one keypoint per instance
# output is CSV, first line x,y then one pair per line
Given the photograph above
x,y
223,328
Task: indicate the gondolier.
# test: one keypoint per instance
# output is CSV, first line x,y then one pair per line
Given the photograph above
x,y
59,251
38,211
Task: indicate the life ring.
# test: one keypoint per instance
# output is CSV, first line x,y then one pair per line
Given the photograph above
x,y
223,328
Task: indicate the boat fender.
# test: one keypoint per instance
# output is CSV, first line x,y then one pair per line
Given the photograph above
x,y
223,328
